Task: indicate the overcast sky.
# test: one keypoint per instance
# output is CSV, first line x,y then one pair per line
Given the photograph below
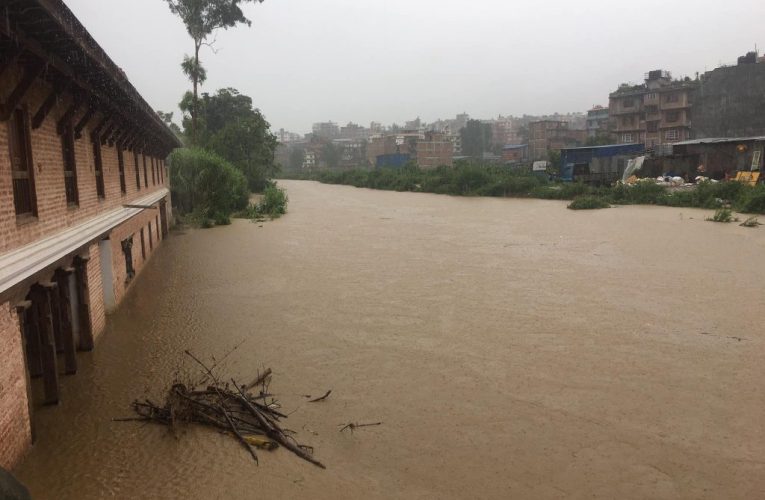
x,y
304,61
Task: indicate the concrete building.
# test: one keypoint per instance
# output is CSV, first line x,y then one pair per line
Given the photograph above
x,y
653,113
326,130
729,101
597,122
83,203
354,132
551,135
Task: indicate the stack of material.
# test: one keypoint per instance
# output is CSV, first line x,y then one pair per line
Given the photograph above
x,y
252,418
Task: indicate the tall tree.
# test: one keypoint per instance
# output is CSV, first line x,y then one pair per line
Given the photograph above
x,y
202,18
232,128
476,138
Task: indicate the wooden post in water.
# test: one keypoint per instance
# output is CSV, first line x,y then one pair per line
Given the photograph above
x,y
32,334
21,310
83,296
42,298
65,315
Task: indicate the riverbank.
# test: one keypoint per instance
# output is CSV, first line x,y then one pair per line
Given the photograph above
x,y
511,348
468,179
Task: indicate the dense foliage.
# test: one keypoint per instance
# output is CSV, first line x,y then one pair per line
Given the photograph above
x,y
205,187
232,128
475,179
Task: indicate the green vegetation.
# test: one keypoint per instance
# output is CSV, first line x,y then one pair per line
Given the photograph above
x,y
588,202
232,146
476,179
206,188
202,18
272,206
722,215
230,127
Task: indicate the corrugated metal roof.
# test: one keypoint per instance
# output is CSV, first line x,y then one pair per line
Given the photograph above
x,y
719,140
582,148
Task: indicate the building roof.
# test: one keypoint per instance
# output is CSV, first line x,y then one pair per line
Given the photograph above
x,y
21,263
48,31
515,146
719,140
624,146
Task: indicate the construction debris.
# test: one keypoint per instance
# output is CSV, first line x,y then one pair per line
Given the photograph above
x,y
252,418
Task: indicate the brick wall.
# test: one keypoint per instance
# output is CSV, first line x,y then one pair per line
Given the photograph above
x,y
15,433
132,227
47,157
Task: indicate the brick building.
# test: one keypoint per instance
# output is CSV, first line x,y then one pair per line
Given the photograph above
x,y
547,135
435,150
83,202
654,113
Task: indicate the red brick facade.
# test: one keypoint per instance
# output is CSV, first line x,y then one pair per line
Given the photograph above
x,y
58,246
15,432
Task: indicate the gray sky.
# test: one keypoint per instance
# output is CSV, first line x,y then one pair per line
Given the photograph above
x,y
304,61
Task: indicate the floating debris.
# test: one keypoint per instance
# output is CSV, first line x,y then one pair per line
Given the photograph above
x,y
251,417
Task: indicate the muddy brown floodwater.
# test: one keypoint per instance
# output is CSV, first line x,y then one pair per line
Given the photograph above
x,y
511,348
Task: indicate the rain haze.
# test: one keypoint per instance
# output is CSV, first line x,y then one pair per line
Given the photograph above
x,y
304,61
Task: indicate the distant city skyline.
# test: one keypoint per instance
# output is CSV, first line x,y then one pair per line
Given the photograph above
x,y
349,61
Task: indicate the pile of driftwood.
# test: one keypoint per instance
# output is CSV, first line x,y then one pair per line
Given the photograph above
x,y
245,411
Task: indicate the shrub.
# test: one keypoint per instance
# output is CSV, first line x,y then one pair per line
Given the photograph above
x,y
588,202
752,200
645,193
274,203
722,215
206,187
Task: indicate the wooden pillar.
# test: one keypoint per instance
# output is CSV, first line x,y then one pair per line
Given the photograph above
x,y
42,297
21,310
32,333
65,325
83,295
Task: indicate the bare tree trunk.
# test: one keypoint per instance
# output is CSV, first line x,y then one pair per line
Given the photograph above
x,y
195,106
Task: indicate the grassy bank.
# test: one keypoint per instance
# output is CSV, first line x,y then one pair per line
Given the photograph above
x,y
482,180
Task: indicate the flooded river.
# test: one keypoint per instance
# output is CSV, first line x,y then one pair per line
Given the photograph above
x,y
511,348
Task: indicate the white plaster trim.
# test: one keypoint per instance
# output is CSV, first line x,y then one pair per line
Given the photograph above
x,y
21,263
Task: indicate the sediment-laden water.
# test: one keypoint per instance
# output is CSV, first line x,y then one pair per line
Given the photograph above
x,y
511,348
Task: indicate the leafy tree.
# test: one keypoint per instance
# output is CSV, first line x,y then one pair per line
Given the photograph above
x,y
599,140
297,157
202,18
331,155
232,128
206,186
168,119
476,138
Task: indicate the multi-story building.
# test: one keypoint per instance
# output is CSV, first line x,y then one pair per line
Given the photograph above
x,y
597,121
354,132
653,113
729,100
502,131
551,135
83,203
326,130
434,150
